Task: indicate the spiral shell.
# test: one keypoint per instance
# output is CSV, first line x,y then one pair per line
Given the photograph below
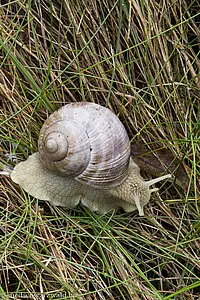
x,y
86,141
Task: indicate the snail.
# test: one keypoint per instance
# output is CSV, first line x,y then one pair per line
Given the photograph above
x,y
84,157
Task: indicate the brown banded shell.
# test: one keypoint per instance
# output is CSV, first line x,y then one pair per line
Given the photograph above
x,y
86,141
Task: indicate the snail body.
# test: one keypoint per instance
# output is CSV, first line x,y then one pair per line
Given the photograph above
x,y
84,156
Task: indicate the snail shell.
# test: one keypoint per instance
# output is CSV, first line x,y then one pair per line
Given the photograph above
x,y
88,142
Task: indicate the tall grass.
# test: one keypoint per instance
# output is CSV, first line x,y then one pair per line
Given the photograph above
x,y
140,59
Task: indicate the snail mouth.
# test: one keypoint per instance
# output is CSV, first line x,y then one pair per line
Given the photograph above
x,y
136,191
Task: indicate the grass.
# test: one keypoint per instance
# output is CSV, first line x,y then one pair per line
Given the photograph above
x,y
140,59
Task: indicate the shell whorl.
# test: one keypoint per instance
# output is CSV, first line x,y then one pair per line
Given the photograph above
x,y
86,141
56,146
